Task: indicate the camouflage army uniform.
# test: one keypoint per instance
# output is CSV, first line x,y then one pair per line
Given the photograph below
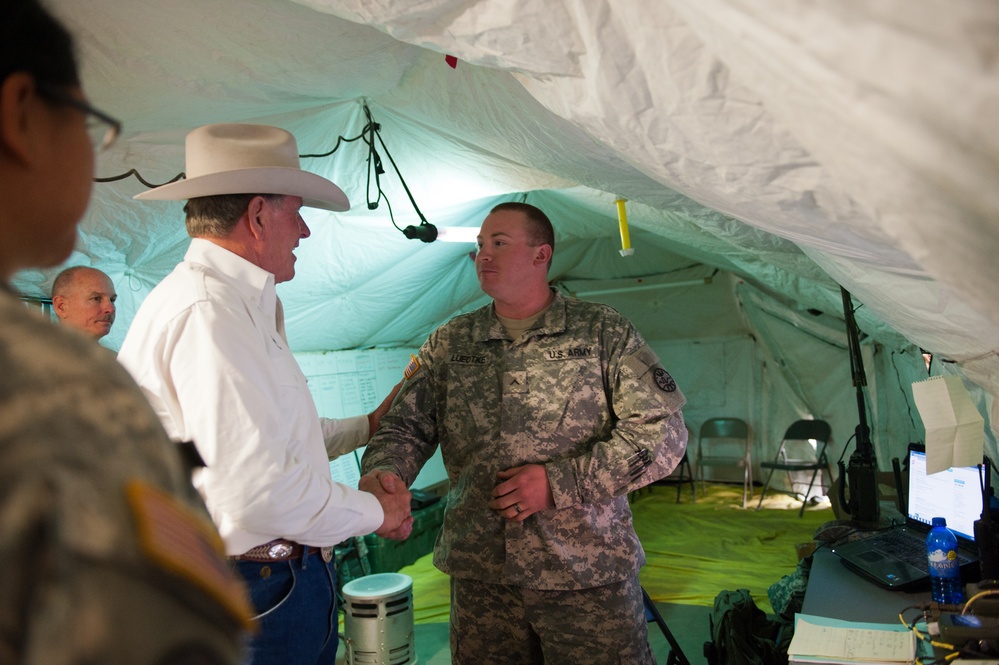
x,y
106,553
581,393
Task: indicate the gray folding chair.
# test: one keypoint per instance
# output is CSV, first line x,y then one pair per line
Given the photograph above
x,y
725,442
802,449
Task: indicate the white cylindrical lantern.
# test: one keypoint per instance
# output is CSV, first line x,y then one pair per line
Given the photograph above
x,y
378,620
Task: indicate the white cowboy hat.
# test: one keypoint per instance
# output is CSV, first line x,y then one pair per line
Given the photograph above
x,y
247,159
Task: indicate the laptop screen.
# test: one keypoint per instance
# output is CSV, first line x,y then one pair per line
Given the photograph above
x,y
955,494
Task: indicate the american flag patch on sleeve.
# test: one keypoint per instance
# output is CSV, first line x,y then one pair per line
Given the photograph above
x,y
187,545
412,368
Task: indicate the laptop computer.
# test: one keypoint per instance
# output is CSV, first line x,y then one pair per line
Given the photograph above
x,y
896,557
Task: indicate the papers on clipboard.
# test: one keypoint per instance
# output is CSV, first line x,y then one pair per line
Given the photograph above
x,y
955,430
822,641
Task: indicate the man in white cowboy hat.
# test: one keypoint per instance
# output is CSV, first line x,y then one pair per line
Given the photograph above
x,y
209,350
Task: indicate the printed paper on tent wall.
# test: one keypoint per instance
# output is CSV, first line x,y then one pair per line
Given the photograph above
x,y
955,433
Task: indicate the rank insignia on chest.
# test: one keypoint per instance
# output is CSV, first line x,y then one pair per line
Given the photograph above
x,y
663,380
412,368
515,382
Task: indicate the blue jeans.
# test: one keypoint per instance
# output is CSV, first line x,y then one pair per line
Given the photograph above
x,y
296,618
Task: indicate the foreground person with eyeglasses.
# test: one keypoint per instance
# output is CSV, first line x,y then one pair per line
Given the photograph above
x,y
107,554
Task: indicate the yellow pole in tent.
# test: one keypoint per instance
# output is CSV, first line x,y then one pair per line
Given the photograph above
x,y
622,219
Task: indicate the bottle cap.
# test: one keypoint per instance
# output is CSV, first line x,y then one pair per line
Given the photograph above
x,y
939,521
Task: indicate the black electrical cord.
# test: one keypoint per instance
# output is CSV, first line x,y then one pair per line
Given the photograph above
x,y
182,175
370,134
426,231
139,177
336,146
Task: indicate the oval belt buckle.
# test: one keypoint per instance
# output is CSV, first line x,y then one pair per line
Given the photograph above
x,y
327,554
279,551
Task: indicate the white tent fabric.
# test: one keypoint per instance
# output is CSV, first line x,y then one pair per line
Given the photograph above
x,y
792,147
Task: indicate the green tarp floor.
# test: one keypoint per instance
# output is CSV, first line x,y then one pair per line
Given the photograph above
x,y
693,551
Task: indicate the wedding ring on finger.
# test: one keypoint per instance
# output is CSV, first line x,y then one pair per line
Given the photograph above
x,y
517,507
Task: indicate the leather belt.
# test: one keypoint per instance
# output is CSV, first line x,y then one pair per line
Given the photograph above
x,y
282,550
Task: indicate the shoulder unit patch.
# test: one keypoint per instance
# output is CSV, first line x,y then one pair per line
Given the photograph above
x,y
663,380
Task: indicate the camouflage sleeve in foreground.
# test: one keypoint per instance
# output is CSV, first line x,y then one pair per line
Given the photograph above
x,y
108,554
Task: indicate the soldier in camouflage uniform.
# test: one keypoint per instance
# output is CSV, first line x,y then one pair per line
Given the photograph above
x,y
107,555
548,411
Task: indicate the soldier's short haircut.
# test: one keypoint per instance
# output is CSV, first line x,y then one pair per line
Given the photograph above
x,y
33,41
216,216
539,227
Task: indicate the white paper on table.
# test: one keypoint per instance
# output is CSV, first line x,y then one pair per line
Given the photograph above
x,y
820,640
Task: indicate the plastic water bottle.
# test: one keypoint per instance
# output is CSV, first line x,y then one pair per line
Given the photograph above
x,y
945,572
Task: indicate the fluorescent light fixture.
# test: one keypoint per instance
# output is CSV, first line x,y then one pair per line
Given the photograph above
x,y
427,232
467,234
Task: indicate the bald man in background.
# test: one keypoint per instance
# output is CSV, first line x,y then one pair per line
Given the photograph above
x,y
84,298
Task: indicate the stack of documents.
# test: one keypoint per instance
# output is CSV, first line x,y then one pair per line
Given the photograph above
x,y
822,641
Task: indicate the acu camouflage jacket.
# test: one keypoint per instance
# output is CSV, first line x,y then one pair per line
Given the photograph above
x,y
580,392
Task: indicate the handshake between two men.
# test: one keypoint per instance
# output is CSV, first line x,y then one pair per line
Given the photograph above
x,y
519,492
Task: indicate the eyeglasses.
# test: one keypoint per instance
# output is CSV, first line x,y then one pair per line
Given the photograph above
x,y
102,128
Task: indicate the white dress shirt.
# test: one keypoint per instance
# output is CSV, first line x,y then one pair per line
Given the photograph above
x,y
206,350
